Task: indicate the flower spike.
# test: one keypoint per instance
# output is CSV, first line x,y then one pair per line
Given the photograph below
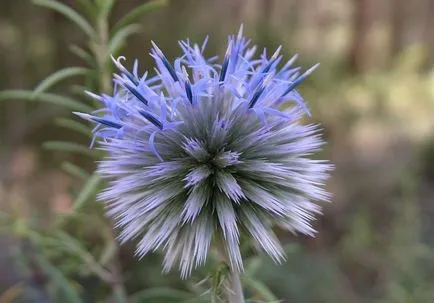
x,y
208,153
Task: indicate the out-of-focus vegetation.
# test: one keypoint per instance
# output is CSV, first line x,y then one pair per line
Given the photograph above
x,y
374,95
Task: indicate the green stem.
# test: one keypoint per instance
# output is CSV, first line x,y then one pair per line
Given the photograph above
x,y
234,292
101,54
100,48
119,293
118,287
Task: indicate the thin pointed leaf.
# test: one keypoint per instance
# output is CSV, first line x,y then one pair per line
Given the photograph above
x,y
58,76
108,253
88,191
45,97
74,170
74,125
119,38
252,266
56,276
68,147
88,7
68,12
62,218
105,7
261,289
72,244
136,13
82,54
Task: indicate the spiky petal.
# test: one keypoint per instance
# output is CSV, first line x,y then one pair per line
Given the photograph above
x,y
209,155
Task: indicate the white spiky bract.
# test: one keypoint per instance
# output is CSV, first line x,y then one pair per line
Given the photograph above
x,y
202,150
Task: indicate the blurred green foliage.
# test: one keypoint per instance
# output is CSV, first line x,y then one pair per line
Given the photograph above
x,y
375,242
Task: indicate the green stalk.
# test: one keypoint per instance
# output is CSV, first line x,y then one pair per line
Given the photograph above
x,y
234,293
101,54
119,291
101,49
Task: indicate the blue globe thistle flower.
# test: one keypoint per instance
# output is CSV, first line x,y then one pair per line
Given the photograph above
x,y
202,150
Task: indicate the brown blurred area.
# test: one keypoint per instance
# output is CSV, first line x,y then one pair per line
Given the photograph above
x,y
373,94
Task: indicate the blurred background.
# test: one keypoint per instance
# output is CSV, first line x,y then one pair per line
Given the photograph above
x,y
373,95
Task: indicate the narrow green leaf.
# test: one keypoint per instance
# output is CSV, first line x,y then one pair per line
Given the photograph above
x,y
56,276
105,7
252,265
88,7
71,244
58,76
68,147
74,125
82,54
261,289
45,97
108,253
136,13
62,218
147,295
74,170
88,191
68,12
117,41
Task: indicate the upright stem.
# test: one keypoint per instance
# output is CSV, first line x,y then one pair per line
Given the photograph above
x,y
119,292
117,283
101,50
234,293
101,54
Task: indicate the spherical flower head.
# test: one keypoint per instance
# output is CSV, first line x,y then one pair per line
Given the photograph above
x,y
202,151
